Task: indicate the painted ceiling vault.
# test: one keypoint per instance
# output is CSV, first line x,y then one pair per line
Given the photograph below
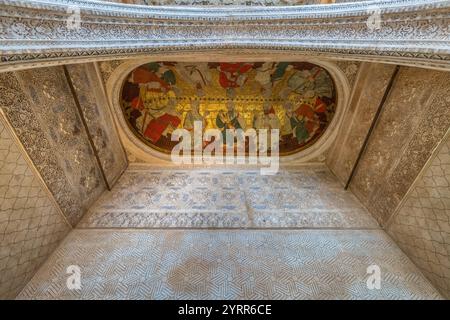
x,y
297,98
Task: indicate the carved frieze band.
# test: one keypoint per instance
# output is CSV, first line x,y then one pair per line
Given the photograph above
x,y
412,32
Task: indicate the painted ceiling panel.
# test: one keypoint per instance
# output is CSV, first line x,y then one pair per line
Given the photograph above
x,y
297,98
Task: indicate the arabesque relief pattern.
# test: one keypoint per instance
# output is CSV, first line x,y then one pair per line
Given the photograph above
x,y
293,198
94,106
41,109
227,2
367,94
414,120
413,32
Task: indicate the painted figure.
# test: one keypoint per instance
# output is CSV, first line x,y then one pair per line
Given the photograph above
x,y
229,119
311,83
193,115
232,75
298,98
266,119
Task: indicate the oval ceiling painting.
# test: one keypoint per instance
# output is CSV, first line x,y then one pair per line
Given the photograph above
x,y
297,98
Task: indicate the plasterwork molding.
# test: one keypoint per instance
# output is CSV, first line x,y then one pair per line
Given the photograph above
x,y
4,120
412,32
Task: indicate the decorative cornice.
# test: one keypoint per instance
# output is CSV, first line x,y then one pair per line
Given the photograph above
x,y
412,32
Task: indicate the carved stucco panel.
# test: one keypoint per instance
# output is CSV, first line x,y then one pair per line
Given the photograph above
x,y
366,97
421,226
414,119
350,69
108,67
18,109
55,108
100,124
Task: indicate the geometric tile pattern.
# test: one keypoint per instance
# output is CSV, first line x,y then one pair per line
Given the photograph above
x,y
107,68
36,141
421,227
228,264
30,225
306,197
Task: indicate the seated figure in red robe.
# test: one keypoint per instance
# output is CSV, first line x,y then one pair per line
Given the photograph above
x,y
232,75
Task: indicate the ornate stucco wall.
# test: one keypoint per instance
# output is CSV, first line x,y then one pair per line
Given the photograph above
x,y
368,91
60,136
41,108
413,122
414,119
421,225
94,106
31,225
229,2
410,32
50,132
